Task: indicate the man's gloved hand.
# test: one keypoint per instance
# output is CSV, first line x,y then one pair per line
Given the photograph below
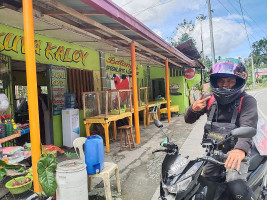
x,y
234,159
200,103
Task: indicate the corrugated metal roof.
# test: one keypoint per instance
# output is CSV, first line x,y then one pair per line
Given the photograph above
x,y
97,24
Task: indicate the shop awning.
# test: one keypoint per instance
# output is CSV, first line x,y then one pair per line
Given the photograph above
x,y
100,25
189,49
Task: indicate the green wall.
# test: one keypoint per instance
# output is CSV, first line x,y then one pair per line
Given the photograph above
x,y
194,81
157,72
181,100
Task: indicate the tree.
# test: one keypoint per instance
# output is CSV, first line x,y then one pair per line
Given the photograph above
x,y
185,28
259,51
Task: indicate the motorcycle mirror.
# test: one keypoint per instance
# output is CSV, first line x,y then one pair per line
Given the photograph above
x,y
244,132
158,123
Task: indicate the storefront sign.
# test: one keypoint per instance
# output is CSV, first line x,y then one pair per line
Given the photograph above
x,y
119,66
47,50
189,73
58,82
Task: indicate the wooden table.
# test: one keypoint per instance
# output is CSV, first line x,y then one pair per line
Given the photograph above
x,y
144,109
105,122
152,104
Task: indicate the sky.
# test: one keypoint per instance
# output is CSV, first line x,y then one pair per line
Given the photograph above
x,y
231,37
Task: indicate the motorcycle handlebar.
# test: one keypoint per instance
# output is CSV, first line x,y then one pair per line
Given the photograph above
x,y
212,160
224,156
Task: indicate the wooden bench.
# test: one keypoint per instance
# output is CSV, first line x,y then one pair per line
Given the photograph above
x,y
174,109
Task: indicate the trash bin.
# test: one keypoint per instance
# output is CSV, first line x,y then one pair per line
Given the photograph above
x,y
71,179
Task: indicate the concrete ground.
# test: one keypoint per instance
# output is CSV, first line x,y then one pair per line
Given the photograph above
x,y
139,168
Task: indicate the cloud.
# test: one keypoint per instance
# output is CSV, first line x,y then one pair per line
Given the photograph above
x,y
158,32
237,17
156,11
228,35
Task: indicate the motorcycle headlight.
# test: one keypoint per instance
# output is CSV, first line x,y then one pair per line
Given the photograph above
x,y
179,186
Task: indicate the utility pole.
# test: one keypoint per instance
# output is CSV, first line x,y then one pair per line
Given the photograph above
x,y
201,18
211,35
253,72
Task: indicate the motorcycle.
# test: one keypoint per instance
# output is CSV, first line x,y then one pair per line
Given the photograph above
x,y
181,178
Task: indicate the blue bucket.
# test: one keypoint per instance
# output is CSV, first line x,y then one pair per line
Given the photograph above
x,y
94,154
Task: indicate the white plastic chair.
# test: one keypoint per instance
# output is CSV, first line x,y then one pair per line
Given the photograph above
x,y
105,174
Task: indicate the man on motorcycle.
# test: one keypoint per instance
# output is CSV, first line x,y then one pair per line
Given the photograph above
x,y
227,108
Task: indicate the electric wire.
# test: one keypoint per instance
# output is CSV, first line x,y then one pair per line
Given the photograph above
x,y
153,6
238,23
248,15
127,3
244,24
255,22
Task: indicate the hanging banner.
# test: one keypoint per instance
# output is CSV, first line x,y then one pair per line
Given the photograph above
x,y
189,73
58,86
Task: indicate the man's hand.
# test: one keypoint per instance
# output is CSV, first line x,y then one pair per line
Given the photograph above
x,y
234,158
200,103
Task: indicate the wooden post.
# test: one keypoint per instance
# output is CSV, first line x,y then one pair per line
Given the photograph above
x,y
98,103
139,97
106,113
131,101
146,96
135,98
84,109
119,101
32,89
168,90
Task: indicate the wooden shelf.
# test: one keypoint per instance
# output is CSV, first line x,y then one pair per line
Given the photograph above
x,y
13,136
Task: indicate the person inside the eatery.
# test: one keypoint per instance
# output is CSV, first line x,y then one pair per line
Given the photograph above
x,y
42,105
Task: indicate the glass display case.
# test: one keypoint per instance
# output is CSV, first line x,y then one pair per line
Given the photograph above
x,y
104,103
142,96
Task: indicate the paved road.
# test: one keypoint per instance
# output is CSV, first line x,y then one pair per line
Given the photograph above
x,y
261,96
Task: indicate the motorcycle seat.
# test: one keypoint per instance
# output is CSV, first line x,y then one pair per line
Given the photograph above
x,y
255,159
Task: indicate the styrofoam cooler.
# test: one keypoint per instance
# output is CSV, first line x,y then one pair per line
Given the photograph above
x,y
70,126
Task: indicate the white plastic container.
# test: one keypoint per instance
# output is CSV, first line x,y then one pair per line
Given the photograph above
x,y
71,177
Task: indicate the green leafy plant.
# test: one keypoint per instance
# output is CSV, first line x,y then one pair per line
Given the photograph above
x,y
199,86
5,166
69,155
46,168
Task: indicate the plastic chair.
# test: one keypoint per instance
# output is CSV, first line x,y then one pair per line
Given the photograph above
x,y
108,169
153,114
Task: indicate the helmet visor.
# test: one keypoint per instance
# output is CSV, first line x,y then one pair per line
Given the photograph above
x,y
229,69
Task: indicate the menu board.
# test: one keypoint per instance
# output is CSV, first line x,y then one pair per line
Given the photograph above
x,y
58,86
